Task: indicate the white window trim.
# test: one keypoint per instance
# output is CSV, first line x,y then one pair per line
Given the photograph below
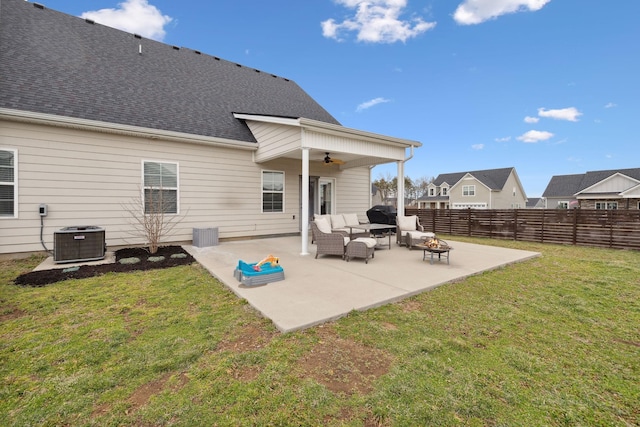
x,y
143,187
262,192
471,190
15,183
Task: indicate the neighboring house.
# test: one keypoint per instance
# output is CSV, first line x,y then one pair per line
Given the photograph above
x,y
483,189
606,189
92,118
535,203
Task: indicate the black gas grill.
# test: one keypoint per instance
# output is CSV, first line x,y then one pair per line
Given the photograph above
x,y
383,214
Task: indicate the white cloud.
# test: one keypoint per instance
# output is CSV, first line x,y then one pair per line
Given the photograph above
x,y
530,119
505,139
371,103
134,16
610,105
534,136
571,114
376,21
478,11
477,146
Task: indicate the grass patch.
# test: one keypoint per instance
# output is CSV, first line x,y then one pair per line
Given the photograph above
x,y
551,341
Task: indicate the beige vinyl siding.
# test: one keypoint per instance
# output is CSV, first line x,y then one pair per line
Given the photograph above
x,y
353,192
482,193
505,199
362,147
86,178
274,139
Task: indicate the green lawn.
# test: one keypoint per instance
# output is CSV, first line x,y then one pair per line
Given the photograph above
x,y
554,341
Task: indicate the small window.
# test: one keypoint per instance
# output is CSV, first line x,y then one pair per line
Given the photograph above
x,y
272,191
432,191
607,205
468,190
160,187
8,183
445,191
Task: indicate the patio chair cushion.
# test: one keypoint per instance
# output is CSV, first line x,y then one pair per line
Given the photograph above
x,y
337,221
323,225
407,223
351,219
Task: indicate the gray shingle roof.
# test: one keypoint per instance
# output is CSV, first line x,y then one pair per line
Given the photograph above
x,y
58,64
495,179
569,185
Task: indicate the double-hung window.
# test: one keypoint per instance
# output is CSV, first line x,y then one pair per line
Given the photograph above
x,y
607,205
272,191
8,183
160,187
468,190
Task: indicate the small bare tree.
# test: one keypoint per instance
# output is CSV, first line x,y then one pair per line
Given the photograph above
x,y
149,216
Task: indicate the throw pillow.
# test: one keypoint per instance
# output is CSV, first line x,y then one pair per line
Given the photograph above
x,y
351,219
337,221
407,223
323,225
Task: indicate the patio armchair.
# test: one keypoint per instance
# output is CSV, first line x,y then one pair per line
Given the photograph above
x,y
410,232
328,242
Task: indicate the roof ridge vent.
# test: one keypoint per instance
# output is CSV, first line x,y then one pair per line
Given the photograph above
x,y
138,36
176,47
198,52
38,5
89,21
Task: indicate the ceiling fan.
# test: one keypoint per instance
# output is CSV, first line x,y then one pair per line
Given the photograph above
x,y
328,160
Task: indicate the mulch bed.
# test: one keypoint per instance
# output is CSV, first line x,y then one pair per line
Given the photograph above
x,y
45,277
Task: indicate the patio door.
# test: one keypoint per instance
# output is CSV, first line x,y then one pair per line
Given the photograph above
x,y
321,197
326,196
313,191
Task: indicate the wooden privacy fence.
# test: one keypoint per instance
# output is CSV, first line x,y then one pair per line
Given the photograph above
x,y
618,229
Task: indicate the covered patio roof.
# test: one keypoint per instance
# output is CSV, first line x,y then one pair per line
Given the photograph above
x,y
311,140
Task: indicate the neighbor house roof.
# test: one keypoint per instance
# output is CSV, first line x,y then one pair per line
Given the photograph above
x,y
570,185
58,64
494,179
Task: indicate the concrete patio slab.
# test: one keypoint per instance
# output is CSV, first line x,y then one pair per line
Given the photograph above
x,y
315,291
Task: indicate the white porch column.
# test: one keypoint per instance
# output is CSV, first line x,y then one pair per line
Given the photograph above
x,y
400,195
305,202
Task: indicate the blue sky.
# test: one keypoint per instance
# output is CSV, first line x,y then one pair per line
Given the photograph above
x,y
549,87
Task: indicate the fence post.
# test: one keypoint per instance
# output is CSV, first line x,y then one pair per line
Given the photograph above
x,y
491,223
612,221
469,223
433,220
515,224
575,227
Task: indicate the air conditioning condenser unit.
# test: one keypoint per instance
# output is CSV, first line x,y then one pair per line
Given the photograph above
x,y
75,244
